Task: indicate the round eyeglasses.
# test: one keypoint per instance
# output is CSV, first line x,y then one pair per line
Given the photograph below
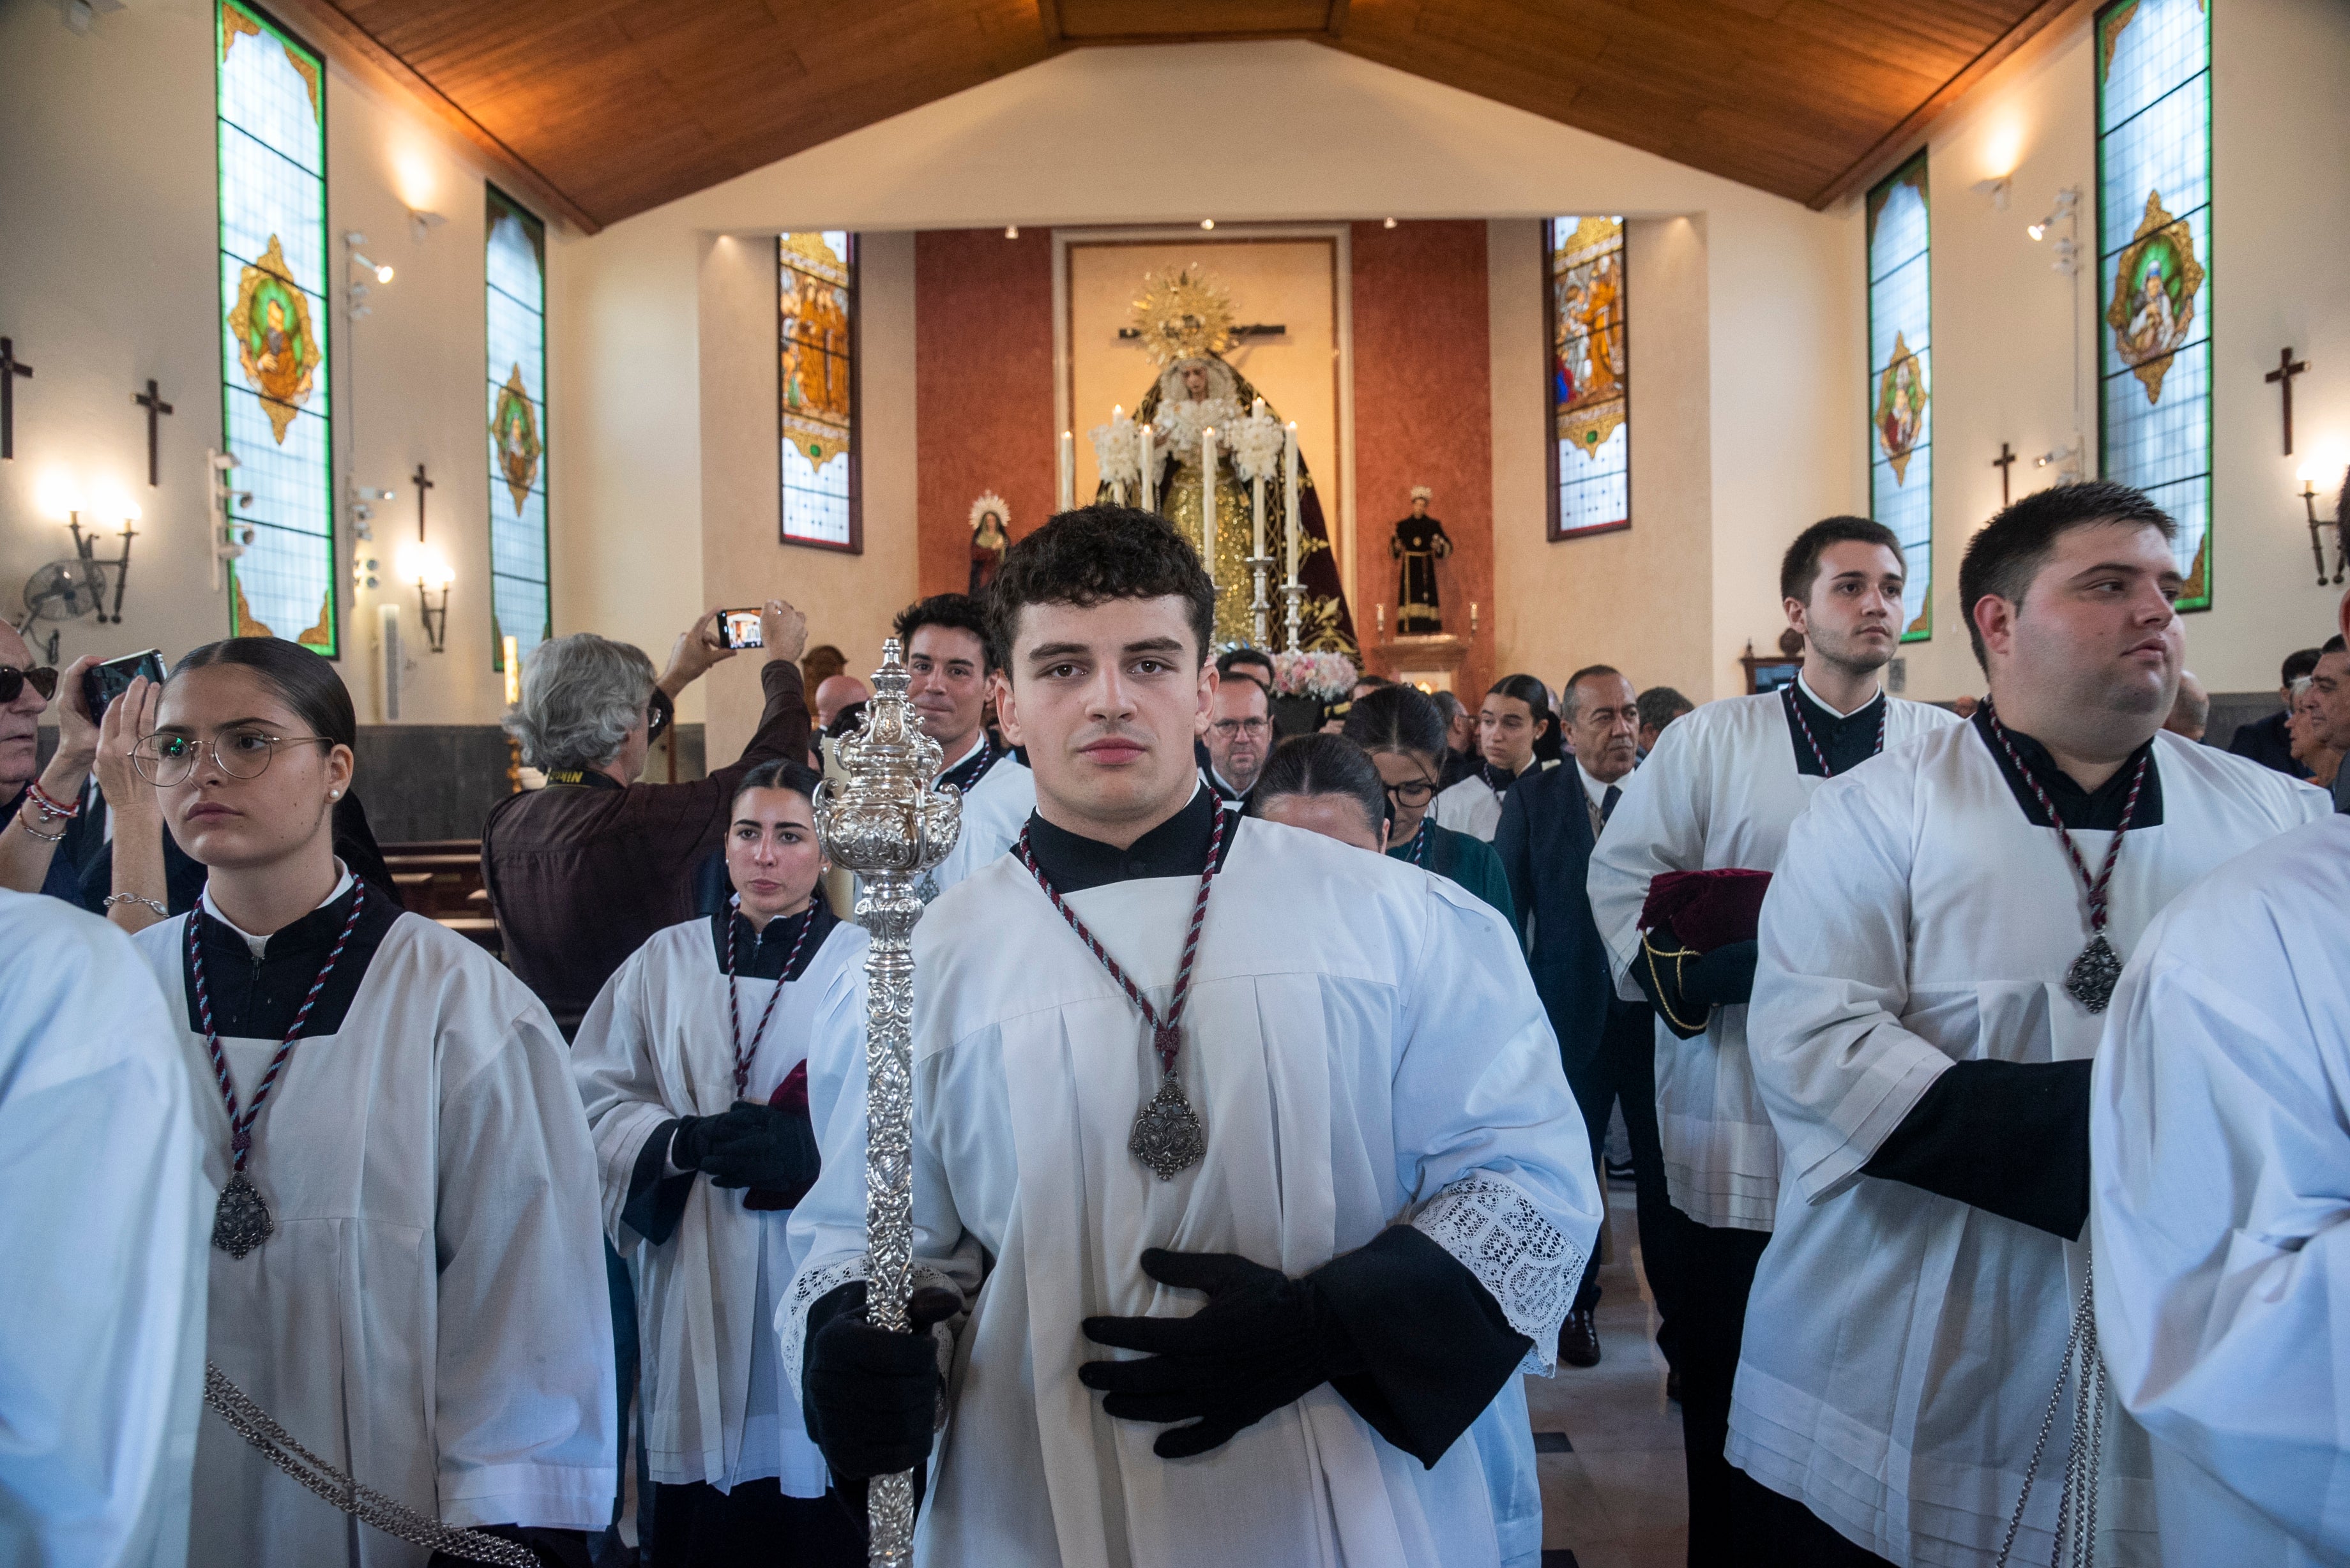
x,y
242,754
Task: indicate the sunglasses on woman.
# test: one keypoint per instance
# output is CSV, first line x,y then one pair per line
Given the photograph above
x,y
13,682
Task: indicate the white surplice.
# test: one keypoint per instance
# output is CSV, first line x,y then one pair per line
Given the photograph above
x,y
994,811
1364,1045
655,1046
432,1313
1900,1345
102,1360
2220,1154
1469,806
1720,790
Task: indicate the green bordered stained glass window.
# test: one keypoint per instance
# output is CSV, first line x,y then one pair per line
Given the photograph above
x,y
514,272
1590,377
816,296
276,406
2154,256
1901,380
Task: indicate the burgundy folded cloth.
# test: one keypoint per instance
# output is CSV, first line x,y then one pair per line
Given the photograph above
x,y
1706,909
791,1094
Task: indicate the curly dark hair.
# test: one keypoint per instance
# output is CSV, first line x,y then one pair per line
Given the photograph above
x,y
1092,554
959,612
2002,559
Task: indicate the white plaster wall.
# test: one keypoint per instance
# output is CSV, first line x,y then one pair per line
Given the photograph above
x,y
108,252
2003,321
1084,138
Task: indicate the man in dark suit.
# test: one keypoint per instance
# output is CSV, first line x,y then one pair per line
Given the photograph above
x,y
1550,821
2266,740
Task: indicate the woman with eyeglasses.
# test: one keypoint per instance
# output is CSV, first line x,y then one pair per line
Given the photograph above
x,y
694,1066
1404,734
405,1272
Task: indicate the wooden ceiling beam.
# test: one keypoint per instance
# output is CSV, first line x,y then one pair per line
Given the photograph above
x,y
356,50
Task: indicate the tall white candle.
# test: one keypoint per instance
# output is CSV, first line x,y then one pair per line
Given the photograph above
x,y
1068,488
1256,517
1207,499
1143,465
1289,495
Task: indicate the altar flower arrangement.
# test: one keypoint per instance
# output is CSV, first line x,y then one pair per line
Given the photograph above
x,y
1326,677
1116,449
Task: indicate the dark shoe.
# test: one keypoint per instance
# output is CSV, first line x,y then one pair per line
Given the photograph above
x,y
1578,1339
1673,1385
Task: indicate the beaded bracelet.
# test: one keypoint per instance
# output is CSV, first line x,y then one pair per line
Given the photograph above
x,y
48,804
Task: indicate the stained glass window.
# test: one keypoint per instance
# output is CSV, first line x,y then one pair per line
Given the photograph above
x,y
515,267
816,290
2154,247
1900,381
1590,385
274,403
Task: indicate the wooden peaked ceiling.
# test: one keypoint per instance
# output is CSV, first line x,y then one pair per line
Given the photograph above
x,y
603,109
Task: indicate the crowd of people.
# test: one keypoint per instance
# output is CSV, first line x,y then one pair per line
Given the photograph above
x,y
1260,1085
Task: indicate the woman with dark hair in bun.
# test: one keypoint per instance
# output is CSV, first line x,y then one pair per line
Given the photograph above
x,y
1403,733
1516,731
694,1065
404,1271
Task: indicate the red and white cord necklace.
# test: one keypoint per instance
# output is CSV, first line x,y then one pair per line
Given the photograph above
x,y
241,1220
1795,707
2091,979
735,1009
1167,1135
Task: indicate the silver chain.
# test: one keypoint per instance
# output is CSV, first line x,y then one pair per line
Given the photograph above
x,y
354,1496
2077,1503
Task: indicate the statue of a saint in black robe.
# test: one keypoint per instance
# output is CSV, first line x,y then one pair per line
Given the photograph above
x,y
1418,543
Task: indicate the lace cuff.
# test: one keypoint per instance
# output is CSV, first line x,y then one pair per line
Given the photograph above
x,y
1528,1264
810,1287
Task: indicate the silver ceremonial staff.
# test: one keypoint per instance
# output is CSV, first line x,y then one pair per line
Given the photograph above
x,y
889,827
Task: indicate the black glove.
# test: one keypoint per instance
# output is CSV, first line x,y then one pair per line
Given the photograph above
x,y
870,1396
554,1548
1262,1340
1722,978
754,1146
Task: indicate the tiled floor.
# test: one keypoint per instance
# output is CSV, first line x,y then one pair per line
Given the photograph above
x,y
1613,1490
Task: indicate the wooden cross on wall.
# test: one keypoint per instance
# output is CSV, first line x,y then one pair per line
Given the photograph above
x,y
2287,369
152,401
2004,461
423,485
10,368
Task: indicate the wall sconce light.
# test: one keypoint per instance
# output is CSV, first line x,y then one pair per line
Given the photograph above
x,y
430,571
2068,211
357,290
421,223
2310,473
1997,191
62,499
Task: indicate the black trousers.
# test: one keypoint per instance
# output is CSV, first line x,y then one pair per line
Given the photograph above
x,y
1784,1533
753,1526
1719,1264
1623,1071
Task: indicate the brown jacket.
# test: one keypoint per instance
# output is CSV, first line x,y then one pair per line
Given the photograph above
x,y
580,875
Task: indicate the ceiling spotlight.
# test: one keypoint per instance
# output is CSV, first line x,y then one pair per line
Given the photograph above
x,y
1010,231
1389,224
1207,223
2038,231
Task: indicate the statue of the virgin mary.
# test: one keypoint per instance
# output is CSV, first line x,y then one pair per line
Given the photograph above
x,y
1186,323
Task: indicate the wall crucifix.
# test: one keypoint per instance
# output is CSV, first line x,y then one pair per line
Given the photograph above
x,y
2287,369
152,401
2004,461
423,485
10,368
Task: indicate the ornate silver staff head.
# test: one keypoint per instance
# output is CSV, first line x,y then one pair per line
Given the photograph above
x,y
887,822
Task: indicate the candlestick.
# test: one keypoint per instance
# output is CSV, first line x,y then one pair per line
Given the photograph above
x,y
1068,491
1208,500
1380,622
1143,438
1289,504
508,647
1473,618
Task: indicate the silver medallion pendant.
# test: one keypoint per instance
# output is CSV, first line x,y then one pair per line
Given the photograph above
x,y
1167,1134
242,1222
2091,979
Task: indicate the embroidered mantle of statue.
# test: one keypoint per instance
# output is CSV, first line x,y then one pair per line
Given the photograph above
x,y
1186,323
1418,543
989,539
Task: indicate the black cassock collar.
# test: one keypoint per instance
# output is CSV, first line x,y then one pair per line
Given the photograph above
x,y
258,997
760,955
2087,811
1175,848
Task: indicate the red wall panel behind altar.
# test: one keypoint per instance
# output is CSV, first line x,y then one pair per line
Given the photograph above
x,y
983,389
1423,415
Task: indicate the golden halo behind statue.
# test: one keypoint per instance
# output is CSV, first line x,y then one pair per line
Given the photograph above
x,y
1182,315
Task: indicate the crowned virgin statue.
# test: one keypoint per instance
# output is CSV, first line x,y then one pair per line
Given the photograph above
x,y
1186,323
